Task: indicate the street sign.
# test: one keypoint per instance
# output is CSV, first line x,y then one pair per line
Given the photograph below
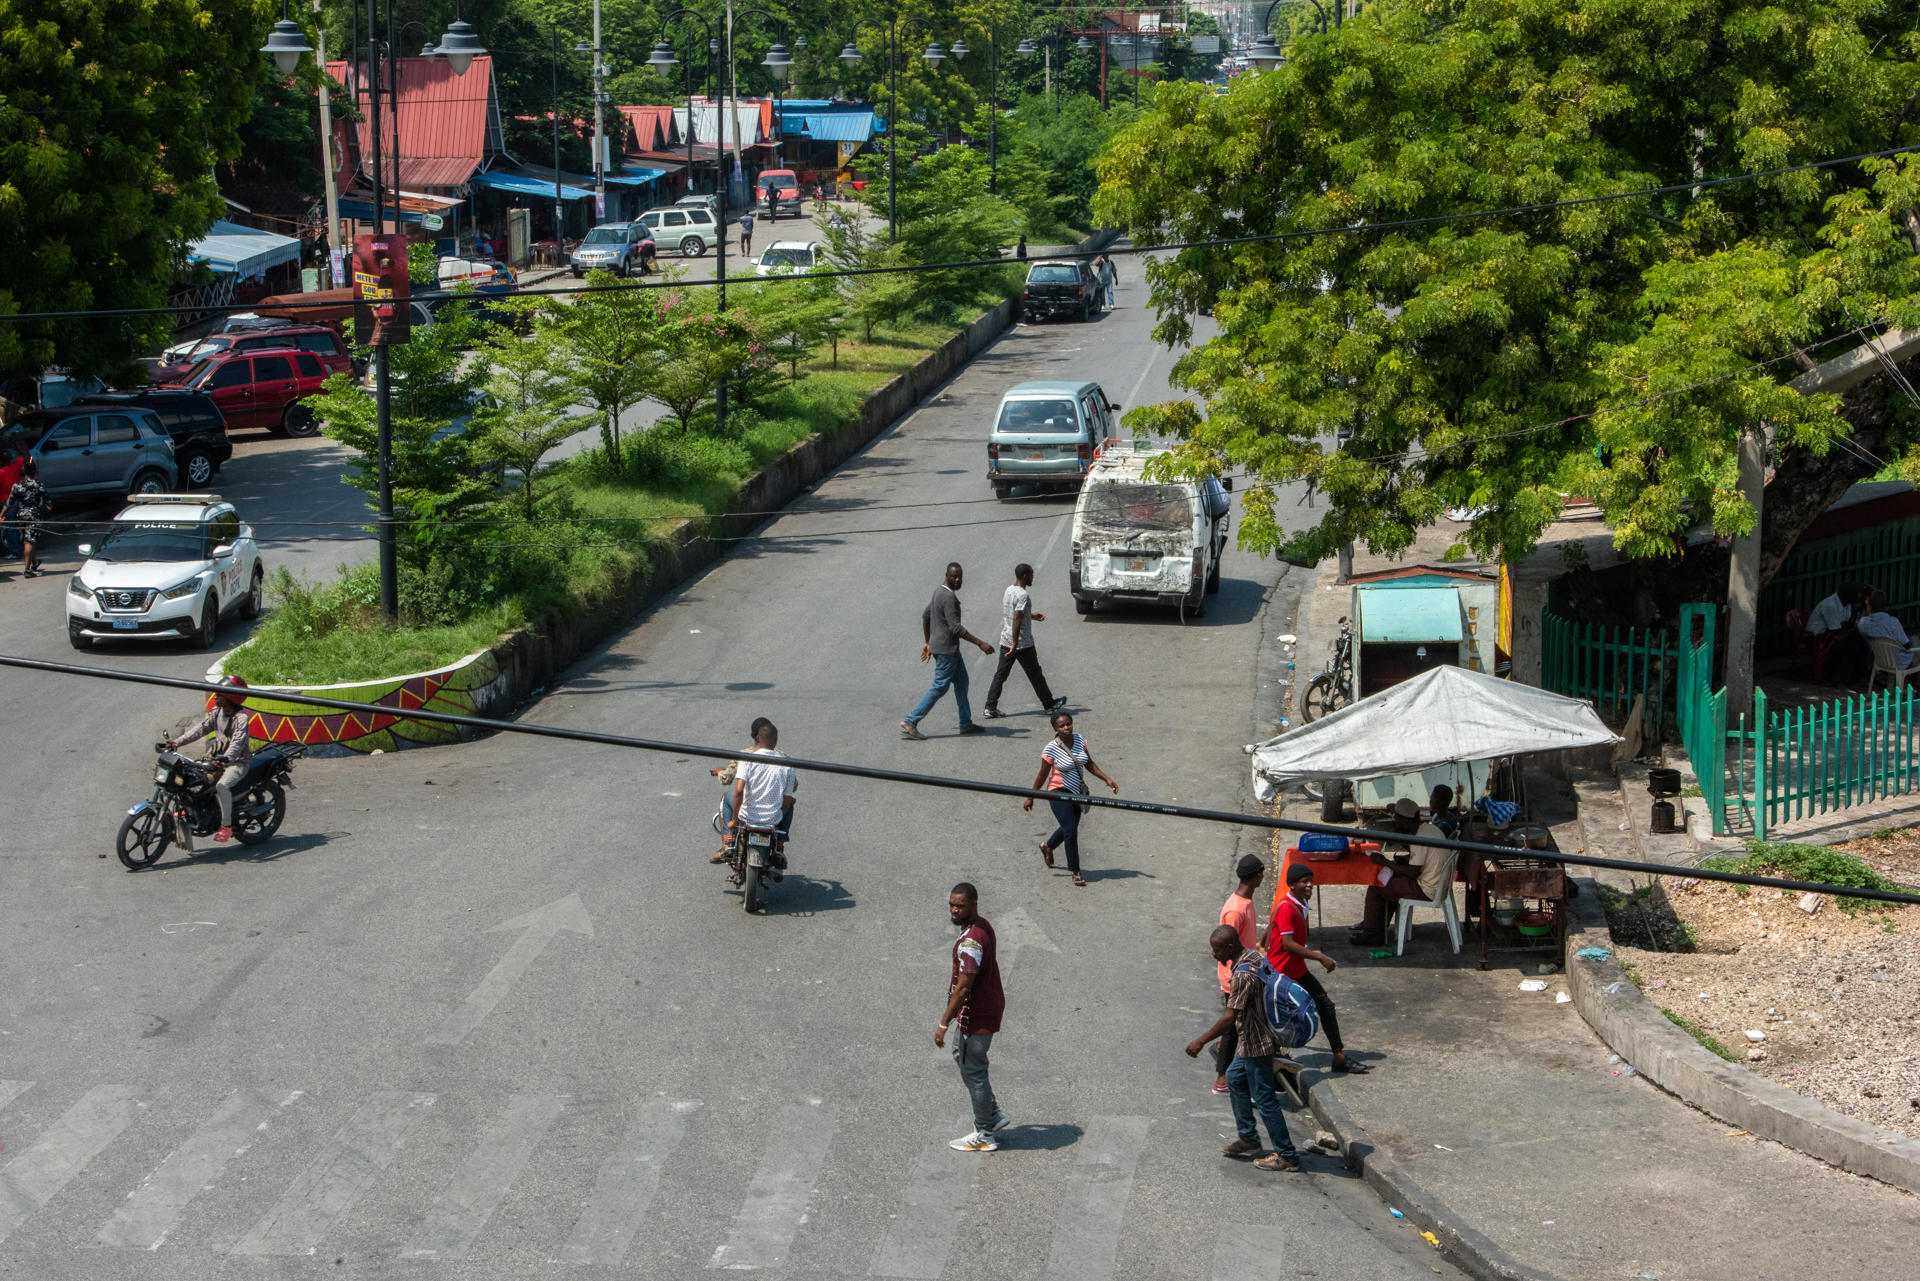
x,y
1206,44
432,222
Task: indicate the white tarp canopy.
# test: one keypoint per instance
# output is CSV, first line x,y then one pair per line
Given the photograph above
x,y
1444,716
245,251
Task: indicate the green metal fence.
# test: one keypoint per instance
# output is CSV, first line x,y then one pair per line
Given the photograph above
x,y
1611,667
1886,556
1700,712
1776,766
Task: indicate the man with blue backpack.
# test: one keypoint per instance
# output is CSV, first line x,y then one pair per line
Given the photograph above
x,y
1271,1013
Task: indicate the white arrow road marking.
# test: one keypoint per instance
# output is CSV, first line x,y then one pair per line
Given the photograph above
x,y
1015,930
538,926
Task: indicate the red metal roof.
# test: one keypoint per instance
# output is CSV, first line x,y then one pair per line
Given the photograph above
x,y
652,126
448,124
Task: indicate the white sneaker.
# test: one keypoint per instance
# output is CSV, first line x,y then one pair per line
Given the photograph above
x,y
975,1142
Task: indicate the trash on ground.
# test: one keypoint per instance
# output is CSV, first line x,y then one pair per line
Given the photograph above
x,y
1443,1147
1432,1240
1810,902
1736,1134
1755,1036
1561,998
1615,988
1395,1213
1594,953
1545,967
1532,985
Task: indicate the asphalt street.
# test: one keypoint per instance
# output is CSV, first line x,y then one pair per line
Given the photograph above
x,y
487,1011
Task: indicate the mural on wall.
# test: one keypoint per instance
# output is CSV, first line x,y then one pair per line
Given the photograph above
x,y
471,687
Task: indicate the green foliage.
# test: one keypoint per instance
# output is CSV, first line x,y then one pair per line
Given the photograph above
x,y
1816,863
1047,161
423,264
527,418
1456,363
792,317
876,299
697,350
112,118
610,343
1708,1041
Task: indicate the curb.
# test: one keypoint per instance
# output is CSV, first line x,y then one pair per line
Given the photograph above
x,y
1636,1029
1468,1249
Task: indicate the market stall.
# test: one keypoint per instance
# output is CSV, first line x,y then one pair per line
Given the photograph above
x,y
1463,728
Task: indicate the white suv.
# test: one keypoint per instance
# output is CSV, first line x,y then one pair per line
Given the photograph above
x,y
691,231
168,565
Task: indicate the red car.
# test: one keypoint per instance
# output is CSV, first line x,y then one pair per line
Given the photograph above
x,y
262,388
324,342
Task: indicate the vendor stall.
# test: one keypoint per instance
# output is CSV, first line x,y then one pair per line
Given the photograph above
x,y
1460,727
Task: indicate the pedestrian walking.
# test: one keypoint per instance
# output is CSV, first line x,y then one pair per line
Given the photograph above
x,y
941,633
1020,250
1065,763
975,1004
31,505
1288,951
1109,277
1016,645
1237,912
746,231
1250,1081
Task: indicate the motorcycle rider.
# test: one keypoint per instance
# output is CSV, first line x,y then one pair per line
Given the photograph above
x,y
763,790
726,774
227,721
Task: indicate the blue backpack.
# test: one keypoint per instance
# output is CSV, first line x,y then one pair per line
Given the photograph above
x,y
1290,1011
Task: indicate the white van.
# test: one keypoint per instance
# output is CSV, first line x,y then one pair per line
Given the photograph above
x,y
1134,539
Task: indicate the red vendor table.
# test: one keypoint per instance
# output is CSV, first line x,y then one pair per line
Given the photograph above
x,y
1351,868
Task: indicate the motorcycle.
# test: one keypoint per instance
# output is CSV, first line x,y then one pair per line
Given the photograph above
x,y
754,861
1332,689
184,804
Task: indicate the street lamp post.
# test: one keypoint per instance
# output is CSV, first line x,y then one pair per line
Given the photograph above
x,y
935,55
959,53
663,62
778,63
1264,54
460,46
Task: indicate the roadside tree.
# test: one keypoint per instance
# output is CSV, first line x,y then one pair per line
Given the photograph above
x,y
606,342
114,119
527,417
793,317
1616,349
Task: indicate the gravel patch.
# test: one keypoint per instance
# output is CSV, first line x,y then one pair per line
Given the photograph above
x,y
1824,1003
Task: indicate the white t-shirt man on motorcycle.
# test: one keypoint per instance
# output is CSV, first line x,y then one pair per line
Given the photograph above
x,y
763,789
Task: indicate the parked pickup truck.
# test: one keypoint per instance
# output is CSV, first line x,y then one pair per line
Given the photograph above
x,y
1062,287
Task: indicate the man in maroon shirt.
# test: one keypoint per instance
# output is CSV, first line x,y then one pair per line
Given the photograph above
x,y
975,1003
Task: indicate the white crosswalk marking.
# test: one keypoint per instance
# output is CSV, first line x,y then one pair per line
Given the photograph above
x,y
30,1180
777,1200
1086,1235
150,1211
463,1209
626,1184
931,1208
339,1176
1249,1252
11,1090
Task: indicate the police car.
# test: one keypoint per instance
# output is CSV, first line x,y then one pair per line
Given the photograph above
x,y
168,565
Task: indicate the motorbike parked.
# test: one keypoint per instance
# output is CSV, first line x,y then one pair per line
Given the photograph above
x,y
184,804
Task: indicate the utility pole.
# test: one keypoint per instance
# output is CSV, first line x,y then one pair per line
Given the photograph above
x,y
731,105
1743,578
326,149
599,122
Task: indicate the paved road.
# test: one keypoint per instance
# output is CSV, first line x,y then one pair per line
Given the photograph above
x,y
488,1012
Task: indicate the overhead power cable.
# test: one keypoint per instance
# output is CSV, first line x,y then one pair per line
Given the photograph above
x,y
948,783
1270,237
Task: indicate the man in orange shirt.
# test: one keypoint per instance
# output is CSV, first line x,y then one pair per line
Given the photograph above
x,y
1237,913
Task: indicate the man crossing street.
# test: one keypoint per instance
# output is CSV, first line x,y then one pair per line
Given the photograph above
x,y
1016,645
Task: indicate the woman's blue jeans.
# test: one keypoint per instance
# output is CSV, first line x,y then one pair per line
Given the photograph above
x,y
1067,814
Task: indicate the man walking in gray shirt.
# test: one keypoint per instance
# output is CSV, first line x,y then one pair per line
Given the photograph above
x,y
941,634
1016,645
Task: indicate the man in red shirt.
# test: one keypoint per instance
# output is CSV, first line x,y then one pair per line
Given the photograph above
x,y
975,1003
1288,951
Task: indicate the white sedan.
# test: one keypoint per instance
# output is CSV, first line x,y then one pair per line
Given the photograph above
x,y
169,565
790,257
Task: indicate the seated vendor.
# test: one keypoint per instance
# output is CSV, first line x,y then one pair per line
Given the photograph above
x,y
1440,811
1876,623
1412,875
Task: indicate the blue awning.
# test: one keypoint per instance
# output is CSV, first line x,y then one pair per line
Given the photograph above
x,y
528,186
243,251
635,177
361,211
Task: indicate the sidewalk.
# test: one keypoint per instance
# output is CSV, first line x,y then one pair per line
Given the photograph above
x,y
1503,1112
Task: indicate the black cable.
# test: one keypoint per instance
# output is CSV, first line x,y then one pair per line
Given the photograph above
x,y
951,784
1271,237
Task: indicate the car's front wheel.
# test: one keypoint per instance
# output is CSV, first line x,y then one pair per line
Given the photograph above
x,y
78,638
197,468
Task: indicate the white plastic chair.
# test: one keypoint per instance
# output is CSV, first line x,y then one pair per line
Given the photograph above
x,y
1886,662
1441,902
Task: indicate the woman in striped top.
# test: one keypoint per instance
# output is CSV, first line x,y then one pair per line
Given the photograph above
x,y
1064,766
